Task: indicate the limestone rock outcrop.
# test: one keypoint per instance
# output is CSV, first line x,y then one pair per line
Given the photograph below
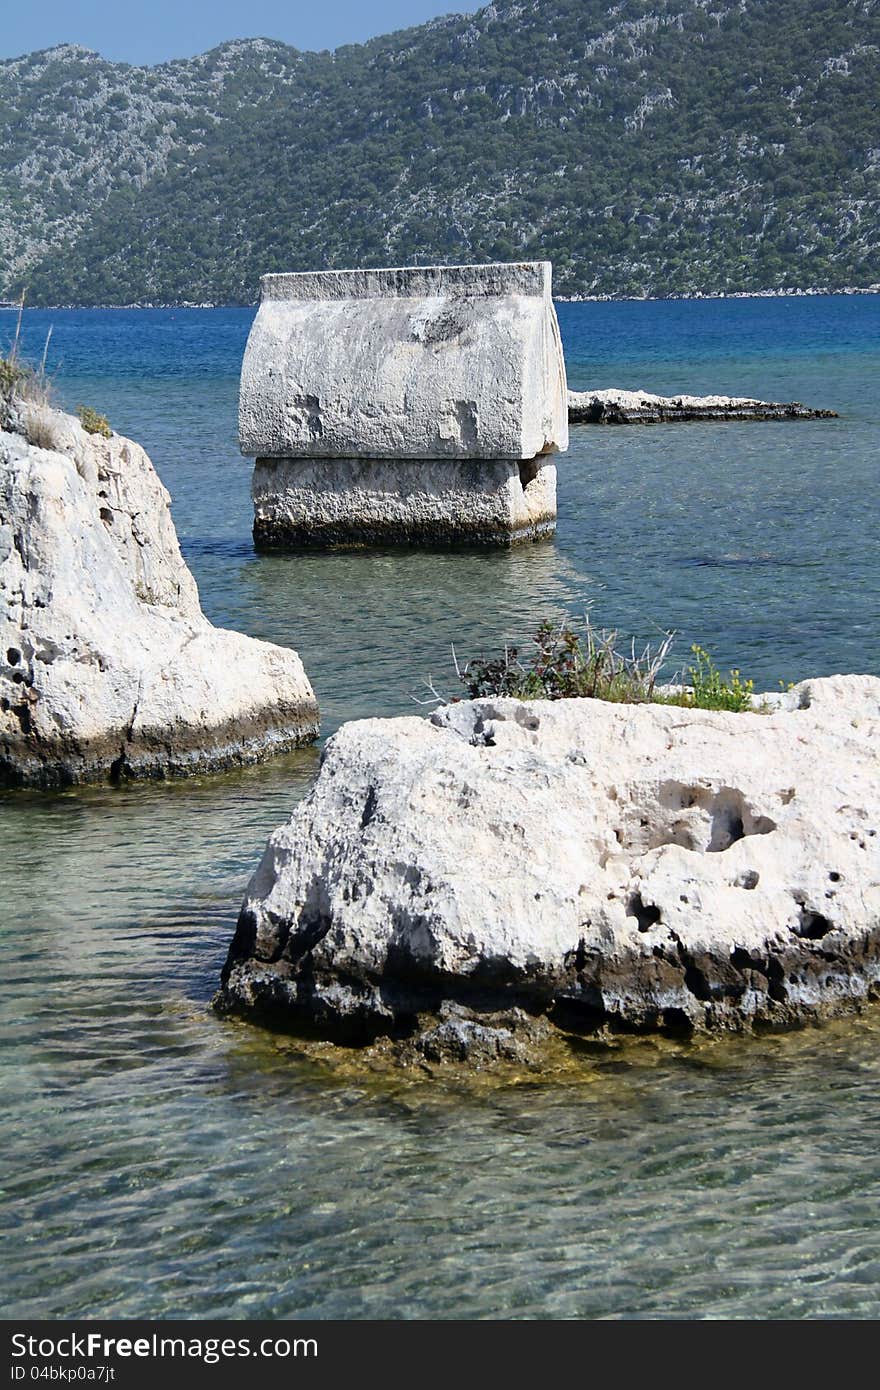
x,y
601,866
398,405
617,407
108,667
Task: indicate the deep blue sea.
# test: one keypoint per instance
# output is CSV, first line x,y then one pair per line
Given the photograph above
x,y
161,1162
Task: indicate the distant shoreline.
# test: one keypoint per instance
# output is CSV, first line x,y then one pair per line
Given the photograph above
x,y
713,294
11,305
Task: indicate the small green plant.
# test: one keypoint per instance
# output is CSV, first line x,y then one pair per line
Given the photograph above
x,y
11,372
566,663
707,690
92,422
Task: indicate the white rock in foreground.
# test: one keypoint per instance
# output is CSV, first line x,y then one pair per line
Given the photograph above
x,y
108,666
604,865
617,407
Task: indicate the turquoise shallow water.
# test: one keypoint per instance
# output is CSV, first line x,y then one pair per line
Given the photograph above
x,y
159,1161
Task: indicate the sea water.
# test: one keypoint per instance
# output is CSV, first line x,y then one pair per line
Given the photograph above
x,y
159,1161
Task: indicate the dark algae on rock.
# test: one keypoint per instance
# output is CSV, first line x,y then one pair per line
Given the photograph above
x,y
473,883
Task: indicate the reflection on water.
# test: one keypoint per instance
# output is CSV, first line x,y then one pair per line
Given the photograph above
x,y
372,628
159,1161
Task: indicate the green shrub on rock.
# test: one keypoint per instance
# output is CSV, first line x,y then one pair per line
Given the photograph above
x,y
92,422
706,689
11,373
566,664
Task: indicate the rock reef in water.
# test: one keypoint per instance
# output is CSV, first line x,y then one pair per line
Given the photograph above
x,y
467,882
617,407
418,404
108,667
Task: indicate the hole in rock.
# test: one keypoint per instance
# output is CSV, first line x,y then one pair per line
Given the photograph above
x,y
812,925
370,804
528,472
744,960
13,656
697,982
776,987
23,715
677,1021
579,957
695,817
726,831
294,940
749,878
733,819
646,914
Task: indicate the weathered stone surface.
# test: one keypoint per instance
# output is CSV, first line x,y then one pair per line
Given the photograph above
x,y
457,1034
419,362
300,502
616,407
606,866
107,665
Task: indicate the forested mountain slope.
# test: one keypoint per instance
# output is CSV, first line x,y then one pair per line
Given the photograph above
x,y
650,146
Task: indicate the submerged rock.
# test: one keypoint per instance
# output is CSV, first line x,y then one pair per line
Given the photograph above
x,y
108,667
603,866
616,407
458,1034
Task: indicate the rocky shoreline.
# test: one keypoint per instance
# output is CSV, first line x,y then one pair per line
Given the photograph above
x,y
473,885
812,292
809,293
618,407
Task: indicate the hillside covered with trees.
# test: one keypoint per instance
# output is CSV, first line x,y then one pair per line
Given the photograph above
x,y
648,146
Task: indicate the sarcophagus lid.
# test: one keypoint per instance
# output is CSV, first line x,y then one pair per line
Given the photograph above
x,y
414,362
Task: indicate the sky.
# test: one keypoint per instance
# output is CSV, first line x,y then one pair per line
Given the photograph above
x,y
151,33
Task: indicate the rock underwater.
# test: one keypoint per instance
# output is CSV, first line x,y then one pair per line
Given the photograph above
x,y
108,667
463,883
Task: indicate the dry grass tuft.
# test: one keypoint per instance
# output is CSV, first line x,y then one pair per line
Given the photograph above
x,y
41,429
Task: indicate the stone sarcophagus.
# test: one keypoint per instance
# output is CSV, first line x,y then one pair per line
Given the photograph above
x,y
420,404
